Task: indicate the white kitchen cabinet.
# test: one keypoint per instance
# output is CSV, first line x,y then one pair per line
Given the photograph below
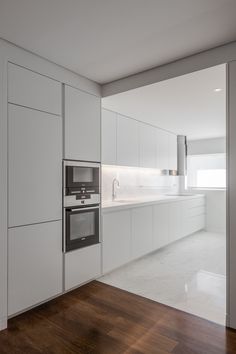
x,y
34,265
172,152
160,225
82,265
147,146
162,148
82,125
116,239
30,89
127,141
108,137
142,231
175,221
35,172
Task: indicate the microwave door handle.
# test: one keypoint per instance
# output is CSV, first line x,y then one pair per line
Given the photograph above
x,y
80,209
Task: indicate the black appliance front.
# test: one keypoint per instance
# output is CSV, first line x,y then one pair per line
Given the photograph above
x,y
82,176
81,227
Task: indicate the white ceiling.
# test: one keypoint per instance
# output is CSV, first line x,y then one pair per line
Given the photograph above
x,y
108,39
185,105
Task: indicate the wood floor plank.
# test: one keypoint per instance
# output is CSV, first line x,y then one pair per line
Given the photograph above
x,y
101,319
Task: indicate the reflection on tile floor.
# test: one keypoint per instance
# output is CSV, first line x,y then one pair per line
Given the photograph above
x,y
188,275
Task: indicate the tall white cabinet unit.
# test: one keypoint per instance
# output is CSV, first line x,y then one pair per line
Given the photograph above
x,y
82,125
34,188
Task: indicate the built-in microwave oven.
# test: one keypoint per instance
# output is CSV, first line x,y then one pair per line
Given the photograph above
x,y
81,183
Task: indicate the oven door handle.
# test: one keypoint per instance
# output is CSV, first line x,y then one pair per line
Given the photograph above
x,y
90,208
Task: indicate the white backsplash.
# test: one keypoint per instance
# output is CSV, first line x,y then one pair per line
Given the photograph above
x,y
136,182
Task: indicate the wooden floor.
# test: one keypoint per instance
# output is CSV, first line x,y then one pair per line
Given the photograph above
x,y
98,318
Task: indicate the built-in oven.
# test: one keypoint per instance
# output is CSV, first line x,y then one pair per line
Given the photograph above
x,y
81,227
81,204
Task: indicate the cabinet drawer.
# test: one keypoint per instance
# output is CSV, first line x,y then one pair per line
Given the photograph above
x,y
34,265
193,203
196,211
82,265
33,90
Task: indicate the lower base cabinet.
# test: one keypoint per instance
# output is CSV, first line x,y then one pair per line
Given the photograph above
x,y
35,265
160,225
82,265
132,233
142,242
116,239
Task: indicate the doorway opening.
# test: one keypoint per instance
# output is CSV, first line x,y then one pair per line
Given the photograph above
x,y
186,267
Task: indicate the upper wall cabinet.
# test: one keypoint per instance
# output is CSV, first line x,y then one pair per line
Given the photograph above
x,y
82,125
162,148
172,152
108,137
127,141
35,173
30,89
147,146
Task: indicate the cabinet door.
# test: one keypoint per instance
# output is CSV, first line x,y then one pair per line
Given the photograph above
x,y
116,239
82,125
108,137
35,172
35,265
160,225
162,147
172,152
147,145
175,221
82,265
127,141
142,231
33,90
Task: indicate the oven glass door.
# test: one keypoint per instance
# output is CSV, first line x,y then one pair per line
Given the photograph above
x,y
82,176
82,227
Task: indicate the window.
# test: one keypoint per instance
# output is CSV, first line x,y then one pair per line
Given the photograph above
x,y
206,171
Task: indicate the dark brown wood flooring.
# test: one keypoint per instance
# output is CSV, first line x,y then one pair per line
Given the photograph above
x,y
99,318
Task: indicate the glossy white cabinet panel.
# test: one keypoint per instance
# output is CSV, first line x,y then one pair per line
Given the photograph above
x,y
162,148
108,137
35,166
34,265
116,239
147,146
172,152
127,141
82,125
160,225
175,221
142,231
33,90
82,265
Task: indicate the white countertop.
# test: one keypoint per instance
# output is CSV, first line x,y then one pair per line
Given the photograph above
x,y
116,205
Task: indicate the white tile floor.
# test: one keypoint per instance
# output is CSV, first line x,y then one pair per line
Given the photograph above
x,y
188,275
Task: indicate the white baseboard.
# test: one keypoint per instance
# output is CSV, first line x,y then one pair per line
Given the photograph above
x,y
3,323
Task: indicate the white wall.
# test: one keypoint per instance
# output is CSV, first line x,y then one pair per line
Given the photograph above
x,y
215,198
207,146
215,209
136,182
